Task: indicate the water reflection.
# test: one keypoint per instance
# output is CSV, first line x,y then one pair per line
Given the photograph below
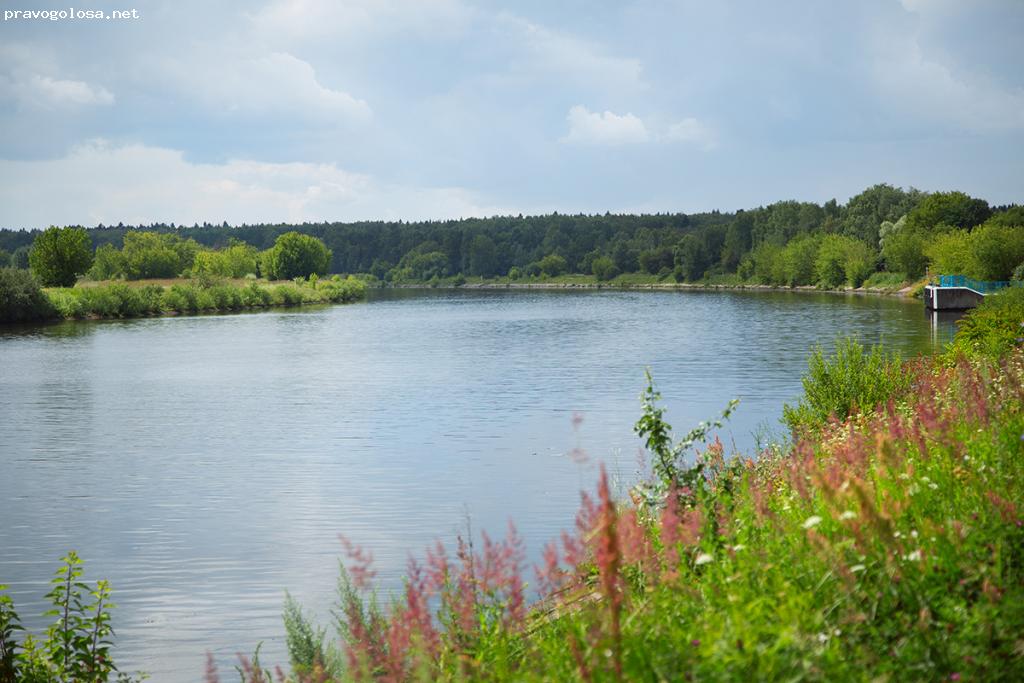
x,y
204,464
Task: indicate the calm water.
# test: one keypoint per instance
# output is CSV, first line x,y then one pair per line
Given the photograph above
x,y
206,464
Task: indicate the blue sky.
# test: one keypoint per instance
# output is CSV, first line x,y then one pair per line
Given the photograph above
x,y
295,110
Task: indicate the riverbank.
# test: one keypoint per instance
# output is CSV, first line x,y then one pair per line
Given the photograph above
x,y
24,300
633,282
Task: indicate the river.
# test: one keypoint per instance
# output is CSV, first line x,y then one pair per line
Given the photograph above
x,y
205,464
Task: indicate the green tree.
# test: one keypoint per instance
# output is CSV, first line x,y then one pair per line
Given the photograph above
x,y
1011,216
866,211
861,261
5,258
21,298
691,257
603,268
150,255
950,253
828,266
297,255
799,258
737,240
19,257
842,259
904,252
553,265
954,209
60,255
655,260
483,256
108,264
995,251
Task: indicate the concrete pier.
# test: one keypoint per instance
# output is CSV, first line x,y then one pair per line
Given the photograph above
x,y
939,298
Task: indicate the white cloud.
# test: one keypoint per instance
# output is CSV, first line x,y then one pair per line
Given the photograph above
x,y
549,52
912,81
694,132
52,93
359,19
275,83
28,80
606,128
102,183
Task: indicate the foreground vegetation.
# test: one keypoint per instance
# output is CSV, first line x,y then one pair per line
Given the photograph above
x,y
887,543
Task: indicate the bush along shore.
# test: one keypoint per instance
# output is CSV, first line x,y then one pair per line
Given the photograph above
x,y
885,542
25,301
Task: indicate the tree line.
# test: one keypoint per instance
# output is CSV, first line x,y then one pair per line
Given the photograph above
x,y
884,228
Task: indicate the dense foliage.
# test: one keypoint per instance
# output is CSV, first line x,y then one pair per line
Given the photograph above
x,y
882,229
296,255
60,255
121,300
851,380
21,298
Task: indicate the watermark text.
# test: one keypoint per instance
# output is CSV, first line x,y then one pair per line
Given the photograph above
x,y
70,14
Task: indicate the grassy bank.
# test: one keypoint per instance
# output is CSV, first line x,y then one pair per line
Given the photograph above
x,y
117,299
882,283
887,543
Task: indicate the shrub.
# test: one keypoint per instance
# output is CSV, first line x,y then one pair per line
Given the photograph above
x,y
904,251
995,251
21,298
603,268
851,379
109,263
77,646
66,302
60,255
254,295
992,329
553,265
828,266
296,255
237,260
859,263
950,253
798,260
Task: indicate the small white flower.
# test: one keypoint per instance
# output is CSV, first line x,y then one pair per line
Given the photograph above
x,y
703,558
914,556
737,548
913,533
822,637
857,568
848,514
812,522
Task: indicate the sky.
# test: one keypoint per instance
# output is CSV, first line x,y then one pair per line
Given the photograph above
x,y
342,110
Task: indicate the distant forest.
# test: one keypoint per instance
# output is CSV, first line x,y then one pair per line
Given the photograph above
x,y
882,228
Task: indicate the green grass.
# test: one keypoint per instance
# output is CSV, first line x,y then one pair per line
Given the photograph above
x,y
885,281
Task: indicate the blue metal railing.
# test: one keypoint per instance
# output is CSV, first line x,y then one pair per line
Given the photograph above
x,y
979,286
